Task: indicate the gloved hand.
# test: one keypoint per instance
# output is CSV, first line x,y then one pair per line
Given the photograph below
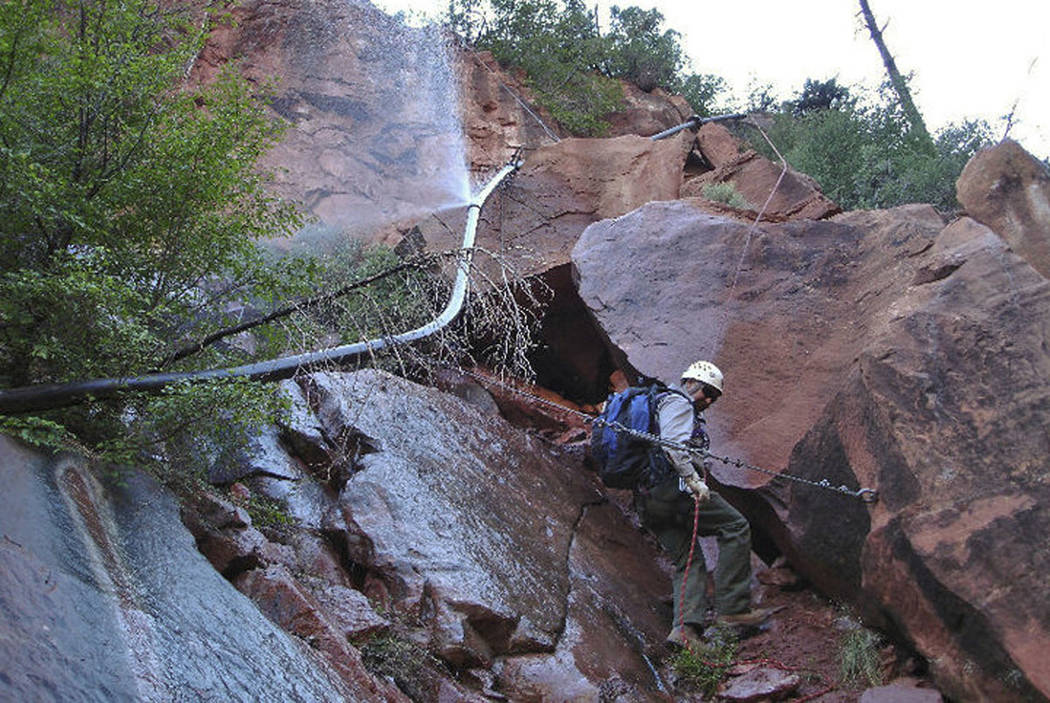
x,y
697,487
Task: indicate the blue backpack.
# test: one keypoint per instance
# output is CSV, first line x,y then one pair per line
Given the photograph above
x,y
624,460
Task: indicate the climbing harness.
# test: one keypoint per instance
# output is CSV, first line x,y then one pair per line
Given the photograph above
x,y
867,495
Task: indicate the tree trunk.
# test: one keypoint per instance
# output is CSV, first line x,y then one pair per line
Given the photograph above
x,y
900,86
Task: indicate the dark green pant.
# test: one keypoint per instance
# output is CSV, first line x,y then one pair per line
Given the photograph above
x,y
668,513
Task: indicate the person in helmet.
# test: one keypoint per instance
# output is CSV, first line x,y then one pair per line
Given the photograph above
x,y
667,508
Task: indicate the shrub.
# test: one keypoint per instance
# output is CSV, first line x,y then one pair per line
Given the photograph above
x,y
130,209
859,662
704,92
639,51
862,152
706,667
415,670
726,193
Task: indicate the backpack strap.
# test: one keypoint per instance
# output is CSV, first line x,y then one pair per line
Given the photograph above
x,y
659,466
659,393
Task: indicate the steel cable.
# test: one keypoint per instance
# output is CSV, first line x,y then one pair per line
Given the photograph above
x,y
867,495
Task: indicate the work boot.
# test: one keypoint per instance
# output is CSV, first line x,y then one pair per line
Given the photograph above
x,y
752,618
684,636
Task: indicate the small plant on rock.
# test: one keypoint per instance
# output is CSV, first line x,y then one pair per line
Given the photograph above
x,y
859,661
267,512
410,665
705,668
726,193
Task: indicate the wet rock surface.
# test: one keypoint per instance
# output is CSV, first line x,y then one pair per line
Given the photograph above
x,y
479,543
374,135
436,511
105,597
486,534
877,349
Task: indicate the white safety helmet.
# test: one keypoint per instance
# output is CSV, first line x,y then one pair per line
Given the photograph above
x,y
705,372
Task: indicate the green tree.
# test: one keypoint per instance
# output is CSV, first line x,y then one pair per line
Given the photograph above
x,y
819,95
864,152
556,44
705,92
639,51
130,207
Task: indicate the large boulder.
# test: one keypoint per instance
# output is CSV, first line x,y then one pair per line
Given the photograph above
x,y
1008,189
877,349
784,194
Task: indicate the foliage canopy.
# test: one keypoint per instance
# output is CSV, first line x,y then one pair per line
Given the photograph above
x,y
130,207
861,149
571,66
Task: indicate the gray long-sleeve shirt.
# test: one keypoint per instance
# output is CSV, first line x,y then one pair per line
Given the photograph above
x,y
675,415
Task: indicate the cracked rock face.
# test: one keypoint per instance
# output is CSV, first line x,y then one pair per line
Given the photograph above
x,y
498,554
879,349
440,511
492,539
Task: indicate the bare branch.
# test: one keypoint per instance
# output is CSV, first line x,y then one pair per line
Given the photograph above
x,y
900,86
188,350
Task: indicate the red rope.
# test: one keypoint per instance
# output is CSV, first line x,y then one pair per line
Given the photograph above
x,y
715,665
688,565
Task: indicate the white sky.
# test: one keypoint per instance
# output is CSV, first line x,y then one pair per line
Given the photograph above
x,y
971,58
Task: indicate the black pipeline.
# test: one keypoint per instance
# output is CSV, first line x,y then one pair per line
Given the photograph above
x,y
694,122
58,395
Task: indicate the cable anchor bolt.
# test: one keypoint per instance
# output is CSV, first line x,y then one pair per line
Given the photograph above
x,y
868,495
